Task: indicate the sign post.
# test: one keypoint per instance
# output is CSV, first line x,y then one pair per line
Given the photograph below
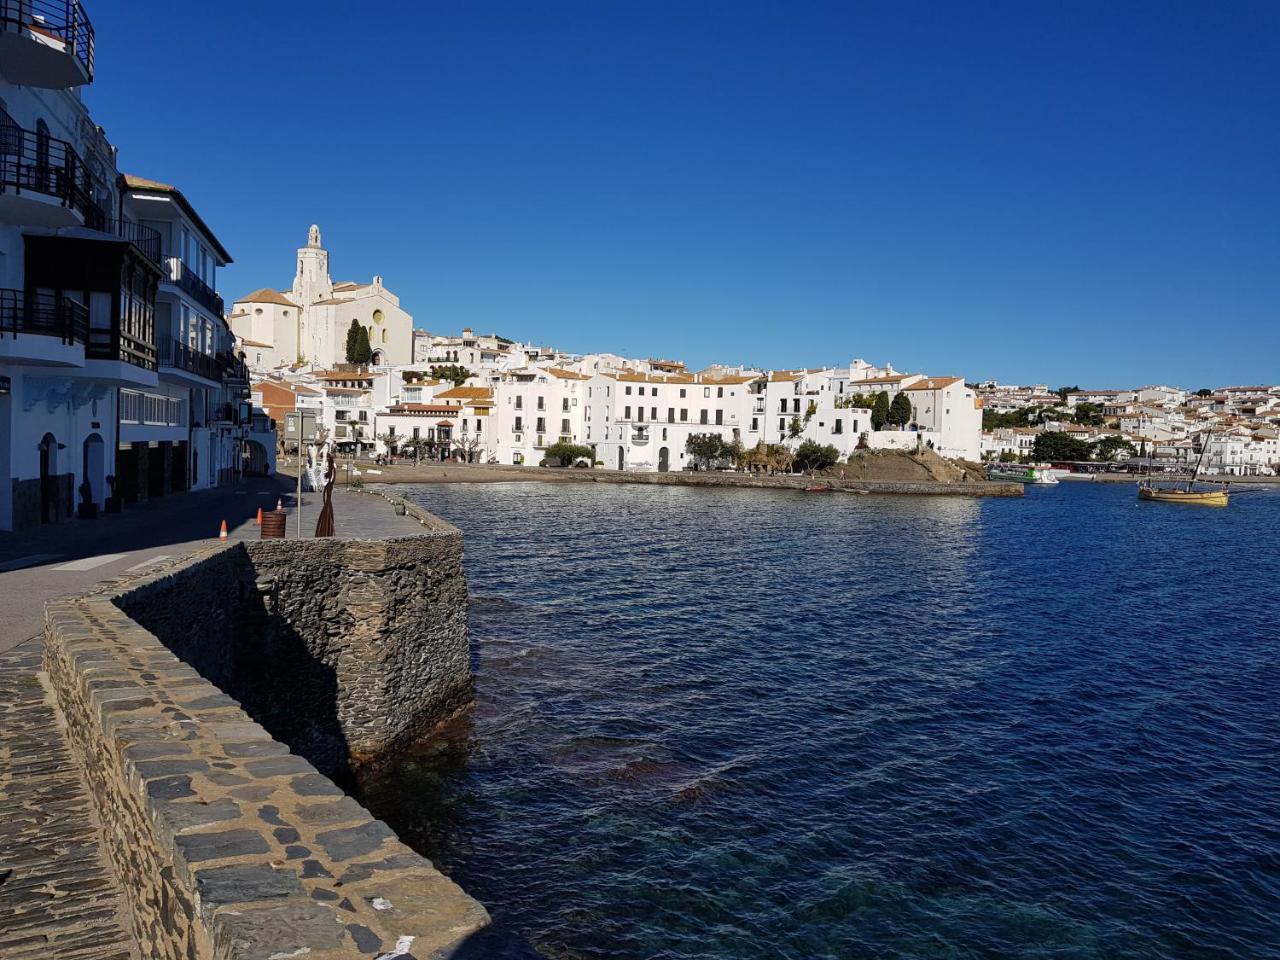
x,y
300,426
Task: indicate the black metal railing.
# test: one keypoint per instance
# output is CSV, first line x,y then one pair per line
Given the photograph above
x,y
114,344
174,353
178,272
146,239
43,314
62,20
34,162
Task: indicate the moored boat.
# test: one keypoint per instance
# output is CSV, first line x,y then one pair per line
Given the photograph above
x,y
1021,474
1218,495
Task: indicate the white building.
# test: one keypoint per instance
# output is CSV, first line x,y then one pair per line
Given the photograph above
x,y
308,324
91,264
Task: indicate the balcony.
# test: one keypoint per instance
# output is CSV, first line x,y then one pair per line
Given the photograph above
x,y
42,329
176,355
116,345
146,239
46,43
43,182
177,272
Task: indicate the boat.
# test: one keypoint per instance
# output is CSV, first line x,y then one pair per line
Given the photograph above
x,y
819,490
1020,474
1217,495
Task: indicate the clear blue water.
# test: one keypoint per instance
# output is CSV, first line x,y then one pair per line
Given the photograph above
x,y
750,724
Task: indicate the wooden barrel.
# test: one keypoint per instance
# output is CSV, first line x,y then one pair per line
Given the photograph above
x,y
273,525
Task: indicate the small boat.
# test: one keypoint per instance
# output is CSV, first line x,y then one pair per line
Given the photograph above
x,y
1018,474
1218,495
819,489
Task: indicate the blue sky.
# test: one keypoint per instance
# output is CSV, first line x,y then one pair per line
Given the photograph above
x,y
1061,192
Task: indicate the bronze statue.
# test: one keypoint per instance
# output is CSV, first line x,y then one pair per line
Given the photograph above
x,y
324,526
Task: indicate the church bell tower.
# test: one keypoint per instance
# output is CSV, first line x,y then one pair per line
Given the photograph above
x,y
311,282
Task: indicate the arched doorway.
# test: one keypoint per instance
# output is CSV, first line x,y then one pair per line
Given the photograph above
x,y
664,459
376,358
48,478
621,458
95,468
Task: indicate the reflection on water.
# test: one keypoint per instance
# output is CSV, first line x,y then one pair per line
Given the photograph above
x,y
749,724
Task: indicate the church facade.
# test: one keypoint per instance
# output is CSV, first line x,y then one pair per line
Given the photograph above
x,y
308,323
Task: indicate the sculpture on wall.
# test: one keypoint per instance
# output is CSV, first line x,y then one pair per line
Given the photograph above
x,y
324,526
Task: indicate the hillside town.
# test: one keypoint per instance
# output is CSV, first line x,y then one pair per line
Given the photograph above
x,y
124,377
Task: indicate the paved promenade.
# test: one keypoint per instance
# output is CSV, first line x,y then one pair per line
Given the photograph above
x,y
57,894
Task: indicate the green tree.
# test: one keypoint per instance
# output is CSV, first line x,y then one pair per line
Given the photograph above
x,y
814,456
353,341
880,412
1089,414
1204,392
1057,447
1107,448
455,373
899,411
1063,391
705,448
359,349
562,453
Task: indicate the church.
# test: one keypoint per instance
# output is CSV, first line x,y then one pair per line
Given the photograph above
x,y
308,323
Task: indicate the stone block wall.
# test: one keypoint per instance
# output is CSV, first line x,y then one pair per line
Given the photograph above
x,y
346,650
227,846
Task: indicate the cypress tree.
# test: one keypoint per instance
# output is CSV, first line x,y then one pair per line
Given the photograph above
x,y
880,412
353,341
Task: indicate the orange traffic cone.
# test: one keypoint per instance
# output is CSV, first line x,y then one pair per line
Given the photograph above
x,y
259,520
222,534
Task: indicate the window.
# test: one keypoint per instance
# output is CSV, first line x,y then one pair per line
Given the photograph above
x,y
542,425
626,413
854,426
755,424
671,414
719,418
706,391
838,427
653,413
564,427
682,393
542,403
519,403
702,416
684,413
719,391
519,425
628,391
640,414
783,407
782,426
795,405
564,404
664,433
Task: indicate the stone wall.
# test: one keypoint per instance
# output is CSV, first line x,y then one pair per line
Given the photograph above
x,y
981,488
227,846
346,650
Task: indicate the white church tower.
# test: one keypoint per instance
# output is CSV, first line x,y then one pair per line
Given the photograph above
x,y
312,283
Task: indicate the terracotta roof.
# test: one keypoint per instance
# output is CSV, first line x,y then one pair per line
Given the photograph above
x,y
784,376
466,393
934,383
566,374
896,378
632,376
254,343
344,390
433,408
343,375
267,295
731,379
132,182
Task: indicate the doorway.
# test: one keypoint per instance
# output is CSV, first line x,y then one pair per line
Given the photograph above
x,y
48,478
664,459
95,467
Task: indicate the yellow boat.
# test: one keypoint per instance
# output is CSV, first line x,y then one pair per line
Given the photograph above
x,y
1203,498
1219,496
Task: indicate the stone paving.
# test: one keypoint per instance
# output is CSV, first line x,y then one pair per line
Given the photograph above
x,y
57,894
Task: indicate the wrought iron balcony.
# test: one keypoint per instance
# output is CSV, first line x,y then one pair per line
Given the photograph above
x,y
146,239
178,272
59,42
174,353
114,344
35,164
43,314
